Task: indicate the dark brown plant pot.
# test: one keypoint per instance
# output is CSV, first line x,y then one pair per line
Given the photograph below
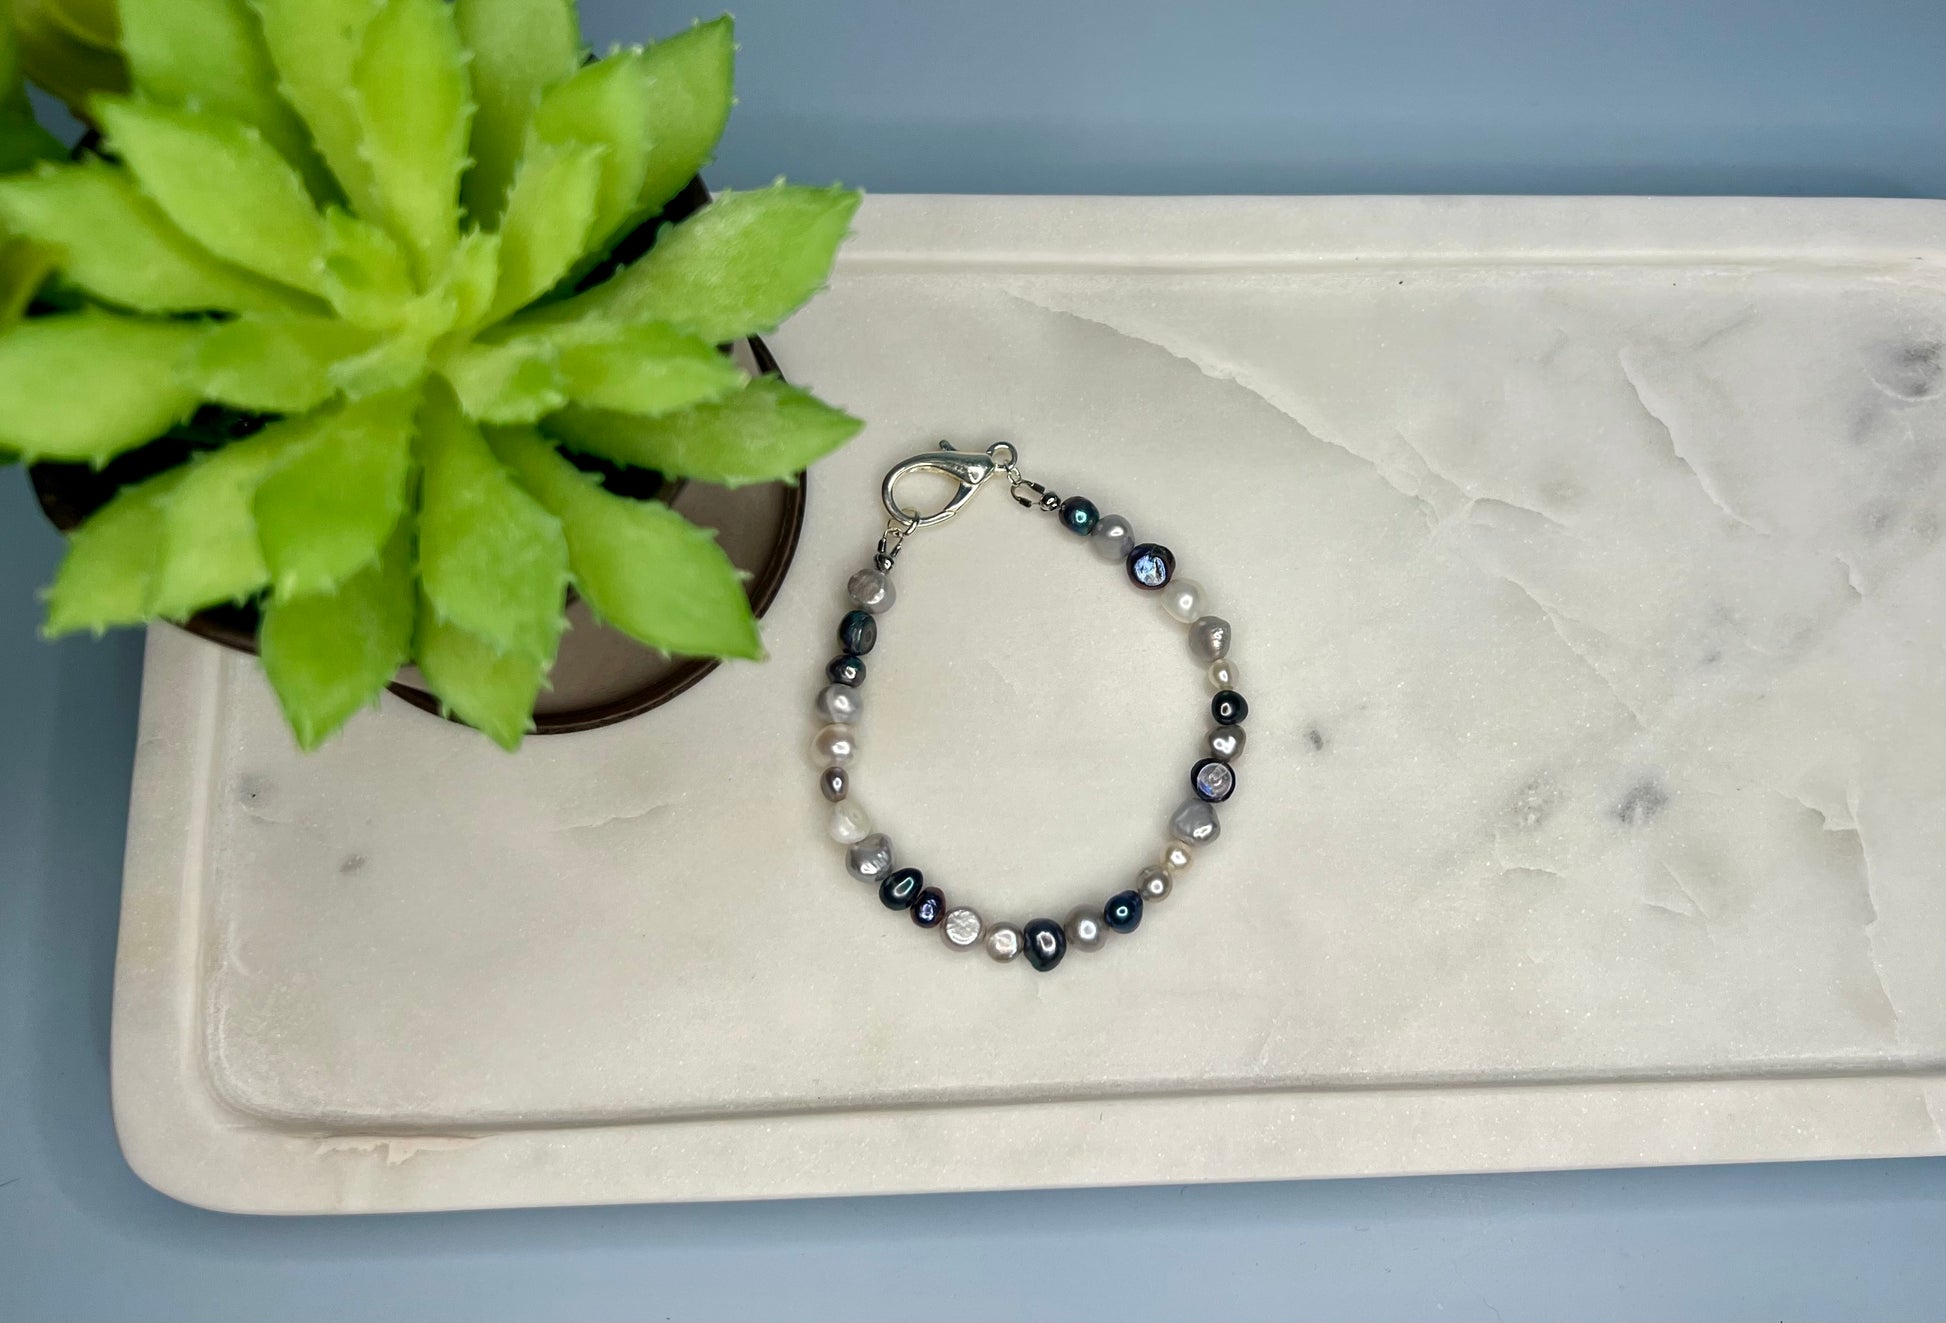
x,y
600,676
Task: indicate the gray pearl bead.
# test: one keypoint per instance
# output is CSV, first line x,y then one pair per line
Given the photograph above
x,y
840,704
1113,538
1225,742
1195,823
1004,942
872,590
1153,883
1086,931
1209,638
962,929
835,782
869,860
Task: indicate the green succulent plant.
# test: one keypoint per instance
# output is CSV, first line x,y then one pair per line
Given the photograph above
x,y
365,220
24,264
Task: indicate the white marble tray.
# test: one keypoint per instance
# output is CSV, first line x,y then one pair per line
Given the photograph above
x,y
1586,562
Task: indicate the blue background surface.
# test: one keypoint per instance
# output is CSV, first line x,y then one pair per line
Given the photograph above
x,y
1012,96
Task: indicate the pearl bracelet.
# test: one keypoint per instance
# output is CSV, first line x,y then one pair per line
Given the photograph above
x,y
1150,567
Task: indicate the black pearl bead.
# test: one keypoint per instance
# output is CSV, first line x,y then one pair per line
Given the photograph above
x,y
1079,515
930,908
857,632
1213,780
1228,708
1123,912
1045,942
846,670
900,890
1151,566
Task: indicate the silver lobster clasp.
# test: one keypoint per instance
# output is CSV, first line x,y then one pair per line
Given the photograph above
x,y
967,470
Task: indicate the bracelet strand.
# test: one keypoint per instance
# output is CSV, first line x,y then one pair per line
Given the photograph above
x,y
840,705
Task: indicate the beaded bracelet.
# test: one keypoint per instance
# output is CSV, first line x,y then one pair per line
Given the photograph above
x,y
1150,567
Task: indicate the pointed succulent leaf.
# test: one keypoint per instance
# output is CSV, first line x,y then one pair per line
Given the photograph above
x,y
515,382
209,551
469,281
24,266
520,48
690,78
93,21
329,654
104,579
313,43
395,363
492,560
61,61
647,369
118,246
766,431
491,691
548,219
89,385
414,107
211,54
324,515
607,104
643,567
223,185
274,364
737,267
366,275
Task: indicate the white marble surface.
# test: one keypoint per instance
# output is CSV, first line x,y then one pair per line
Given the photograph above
x,y
1585,558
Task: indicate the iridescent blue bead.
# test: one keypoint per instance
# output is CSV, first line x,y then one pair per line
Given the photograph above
x,y
929,909
900,890
1079,515
1123,912
846,670
857,632
1151,566
1045,943
1228,708
1213,780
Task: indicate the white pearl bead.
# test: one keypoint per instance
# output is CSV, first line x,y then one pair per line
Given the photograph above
x,y
962,929
849,822
1176,857
834,746
1222,674
1184,600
